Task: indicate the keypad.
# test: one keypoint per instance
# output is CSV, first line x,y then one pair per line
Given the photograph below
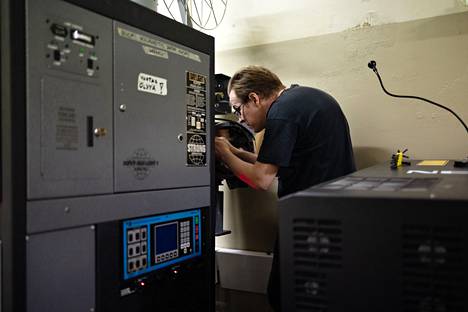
x,y
185,240
137,251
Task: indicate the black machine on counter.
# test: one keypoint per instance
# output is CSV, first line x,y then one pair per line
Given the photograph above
x,y
378,240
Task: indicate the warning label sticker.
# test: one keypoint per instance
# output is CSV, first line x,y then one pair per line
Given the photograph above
x,y
125,33
196,121
66,135
155,52
195,100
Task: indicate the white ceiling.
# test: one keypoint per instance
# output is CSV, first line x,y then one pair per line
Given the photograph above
x,y
255,22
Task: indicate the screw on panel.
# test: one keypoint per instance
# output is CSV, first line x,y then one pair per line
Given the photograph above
x,y
123,108
92,227
26,238
67,209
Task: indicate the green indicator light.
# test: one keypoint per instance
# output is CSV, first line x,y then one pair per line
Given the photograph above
x,y
81,50
196,219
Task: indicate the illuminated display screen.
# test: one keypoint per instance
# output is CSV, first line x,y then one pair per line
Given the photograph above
x,y
165,238
160,241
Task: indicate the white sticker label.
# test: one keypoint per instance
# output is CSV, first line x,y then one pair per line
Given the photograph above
x,y
152,84
155,52
125,33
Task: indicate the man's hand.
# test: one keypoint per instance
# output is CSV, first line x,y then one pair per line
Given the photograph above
x,y
223,147
256,174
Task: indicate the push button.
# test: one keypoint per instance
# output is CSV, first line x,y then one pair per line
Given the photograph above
x,y
59,30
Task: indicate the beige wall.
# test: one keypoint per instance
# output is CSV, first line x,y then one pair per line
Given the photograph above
x,y
428,58
248,23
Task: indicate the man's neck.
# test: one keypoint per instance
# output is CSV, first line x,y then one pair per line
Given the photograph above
x,y
280,92
273,98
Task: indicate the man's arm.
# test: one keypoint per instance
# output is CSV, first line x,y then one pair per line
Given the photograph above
x,y
257,175
247,156
242,154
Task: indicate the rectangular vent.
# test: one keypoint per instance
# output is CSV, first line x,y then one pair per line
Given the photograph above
x,y
317,243
433,268
310,291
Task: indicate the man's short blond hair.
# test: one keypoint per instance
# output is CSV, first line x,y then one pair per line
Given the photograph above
x,y
257,79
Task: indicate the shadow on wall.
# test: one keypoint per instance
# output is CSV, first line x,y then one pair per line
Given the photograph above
x,y
367,156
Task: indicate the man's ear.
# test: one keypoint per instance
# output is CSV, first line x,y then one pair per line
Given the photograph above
x,y
254,97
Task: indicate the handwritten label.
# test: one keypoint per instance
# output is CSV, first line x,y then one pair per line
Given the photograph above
x,y
152,84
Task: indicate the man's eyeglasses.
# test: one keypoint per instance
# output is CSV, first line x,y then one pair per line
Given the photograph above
x,y
237,110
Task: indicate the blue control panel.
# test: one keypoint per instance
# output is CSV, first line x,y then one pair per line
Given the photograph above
x,y
156,242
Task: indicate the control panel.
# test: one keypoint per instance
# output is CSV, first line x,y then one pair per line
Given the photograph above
x,y
69,101
71,48
156,242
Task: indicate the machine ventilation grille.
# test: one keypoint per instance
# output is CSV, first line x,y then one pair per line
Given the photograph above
x,y
317,247
310,291
317,243
433,269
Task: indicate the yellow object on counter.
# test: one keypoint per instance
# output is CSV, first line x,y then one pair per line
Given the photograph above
x,y
432,163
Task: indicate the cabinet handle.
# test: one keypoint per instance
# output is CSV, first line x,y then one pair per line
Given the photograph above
x,y
90,131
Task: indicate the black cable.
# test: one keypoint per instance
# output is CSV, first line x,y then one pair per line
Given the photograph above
x,y
373,65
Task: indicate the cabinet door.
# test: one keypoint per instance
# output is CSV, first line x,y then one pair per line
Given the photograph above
x,y
69,101
161,110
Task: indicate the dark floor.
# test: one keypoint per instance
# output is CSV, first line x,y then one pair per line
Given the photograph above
x,y
228,300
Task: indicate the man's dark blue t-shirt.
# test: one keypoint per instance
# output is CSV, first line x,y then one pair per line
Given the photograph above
x,y
307,137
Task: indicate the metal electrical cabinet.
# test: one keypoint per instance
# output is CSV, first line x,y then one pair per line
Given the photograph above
x,y
106,167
